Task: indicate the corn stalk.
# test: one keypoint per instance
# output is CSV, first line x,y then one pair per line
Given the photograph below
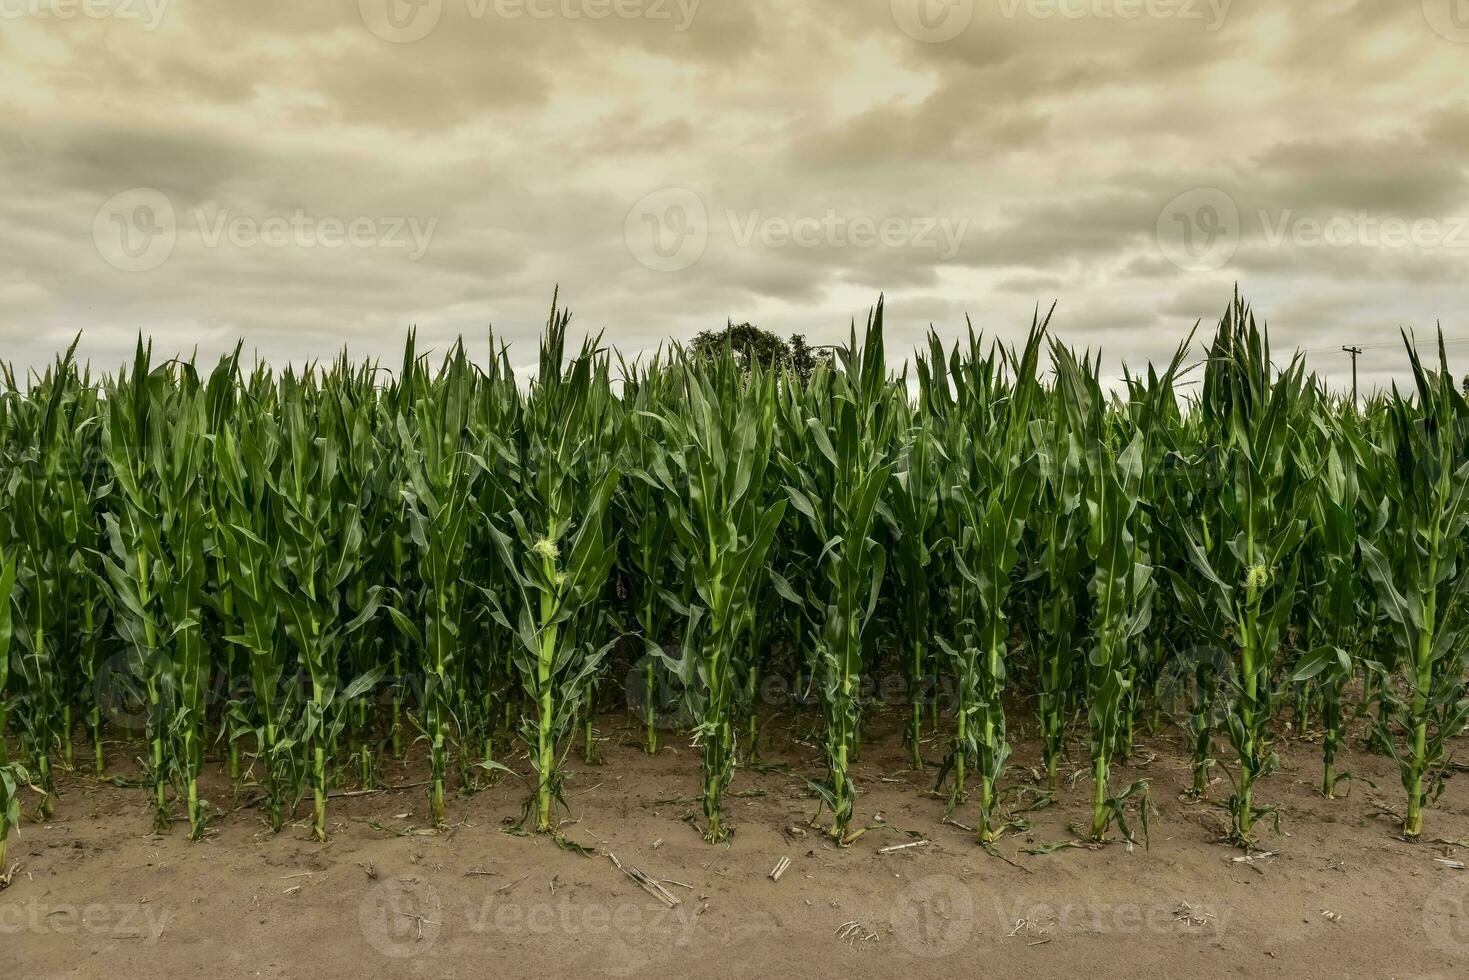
x,y
1417,564
837,487
719,458
555,548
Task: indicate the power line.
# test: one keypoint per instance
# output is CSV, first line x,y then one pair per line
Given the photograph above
x,y
1354,351
1448,342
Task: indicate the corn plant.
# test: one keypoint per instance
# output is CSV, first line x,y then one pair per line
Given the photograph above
x,y
135,444
555,547
180,577
245,453
992,482
838,486
44,513
391,552
1192,681
221,398
1151,410
1329,662
1248,566
11,776
371,482
1121,582
442,466
1417,564
644,510
915,529
1059,562
321,550
78,480
718,472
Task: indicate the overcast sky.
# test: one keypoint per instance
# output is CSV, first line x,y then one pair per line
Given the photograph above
x,y
308,175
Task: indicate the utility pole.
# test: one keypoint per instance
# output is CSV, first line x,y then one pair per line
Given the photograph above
x,y
1354,351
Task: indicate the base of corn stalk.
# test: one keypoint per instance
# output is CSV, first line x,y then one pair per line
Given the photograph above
x,y
590,753
162,819
198,812
1101,819
1413,822
436,804
438,777
1200,788
367,769
650,735
752,756
67,748
1244,836
47,787
99,760
319,791
915,737
716,832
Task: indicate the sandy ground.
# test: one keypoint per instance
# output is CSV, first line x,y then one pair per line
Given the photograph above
x,y
1340,897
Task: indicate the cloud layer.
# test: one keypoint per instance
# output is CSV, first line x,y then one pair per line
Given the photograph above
x,y
307,176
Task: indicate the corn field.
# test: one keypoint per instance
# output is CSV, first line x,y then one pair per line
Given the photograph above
x,y
289,579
